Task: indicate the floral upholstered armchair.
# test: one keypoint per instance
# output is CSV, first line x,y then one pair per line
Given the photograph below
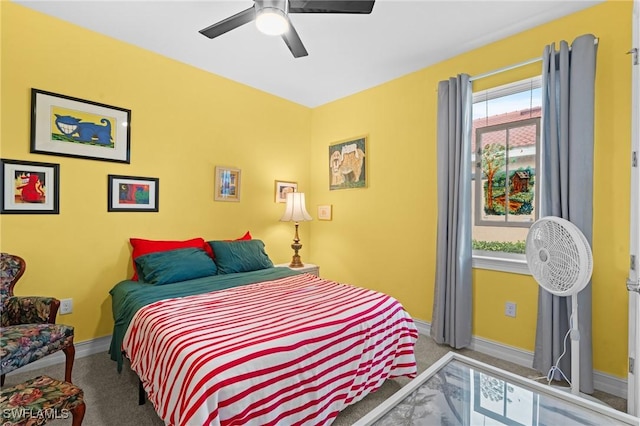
x,y
28,330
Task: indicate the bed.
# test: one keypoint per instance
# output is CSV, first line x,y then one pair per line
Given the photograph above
x,y
269,346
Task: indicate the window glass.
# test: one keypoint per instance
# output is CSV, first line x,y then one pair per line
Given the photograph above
x,y
505,147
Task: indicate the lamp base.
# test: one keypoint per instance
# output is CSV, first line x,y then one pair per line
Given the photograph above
x,y
295,262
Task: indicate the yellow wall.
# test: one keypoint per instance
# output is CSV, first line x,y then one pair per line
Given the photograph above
x,y
184,123
384,236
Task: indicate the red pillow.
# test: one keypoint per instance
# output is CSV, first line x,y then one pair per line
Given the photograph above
x,y
246,236
141,247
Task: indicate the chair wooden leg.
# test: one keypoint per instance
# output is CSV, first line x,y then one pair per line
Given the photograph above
x,y
70,355
78,414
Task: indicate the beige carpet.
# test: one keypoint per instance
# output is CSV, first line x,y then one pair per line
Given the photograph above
x,y
112,398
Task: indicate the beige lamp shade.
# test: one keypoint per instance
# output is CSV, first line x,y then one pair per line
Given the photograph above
x,y
296,209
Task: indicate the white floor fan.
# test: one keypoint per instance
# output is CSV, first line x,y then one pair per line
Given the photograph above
x,y
560,259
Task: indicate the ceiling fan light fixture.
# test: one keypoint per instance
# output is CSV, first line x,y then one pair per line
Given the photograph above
x,y
272,21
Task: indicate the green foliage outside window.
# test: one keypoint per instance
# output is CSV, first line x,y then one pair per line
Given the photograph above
x,y
503,246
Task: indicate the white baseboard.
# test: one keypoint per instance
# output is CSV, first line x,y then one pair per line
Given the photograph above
x,y
601,381
86,348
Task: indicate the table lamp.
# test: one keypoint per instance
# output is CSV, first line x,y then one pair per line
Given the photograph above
x,y
295,211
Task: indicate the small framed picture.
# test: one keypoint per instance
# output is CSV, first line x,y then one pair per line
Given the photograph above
x,y
132,194
324,212
227,184
73,127
283,188
30,188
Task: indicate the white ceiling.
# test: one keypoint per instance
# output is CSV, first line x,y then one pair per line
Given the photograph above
x,y
347,53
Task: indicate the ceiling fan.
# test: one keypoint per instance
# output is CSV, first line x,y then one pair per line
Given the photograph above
x,y
272,17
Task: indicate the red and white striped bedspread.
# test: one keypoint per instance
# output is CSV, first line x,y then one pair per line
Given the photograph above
x,y
296,350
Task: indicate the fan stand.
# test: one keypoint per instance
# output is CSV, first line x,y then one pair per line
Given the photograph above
x,y
575,346
575,353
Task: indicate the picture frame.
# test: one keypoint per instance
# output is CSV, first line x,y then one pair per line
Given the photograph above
x,y
73,127
133,194
29,187
282,188
227,184
325,212
348,164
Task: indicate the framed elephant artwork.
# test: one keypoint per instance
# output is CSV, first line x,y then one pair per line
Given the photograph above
x,y
73,127
348,164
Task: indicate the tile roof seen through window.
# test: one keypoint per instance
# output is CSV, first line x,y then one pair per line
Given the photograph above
x,y
519,137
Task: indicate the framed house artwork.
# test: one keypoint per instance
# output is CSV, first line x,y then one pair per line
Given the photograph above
x,y
227,184
132,194
282,189
348,164
73,127
29,187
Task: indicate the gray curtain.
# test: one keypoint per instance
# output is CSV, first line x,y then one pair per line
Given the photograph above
x,y
568,80
451,320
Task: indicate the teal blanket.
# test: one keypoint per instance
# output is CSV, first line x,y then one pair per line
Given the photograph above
x,y
129,296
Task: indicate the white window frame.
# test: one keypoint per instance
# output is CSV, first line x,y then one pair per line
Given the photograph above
x,y
502,261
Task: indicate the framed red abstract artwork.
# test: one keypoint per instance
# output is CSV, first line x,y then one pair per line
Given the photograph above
x,y
133,194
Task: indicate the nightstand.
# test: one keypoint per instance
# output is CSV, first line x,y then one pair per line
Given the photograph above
x,y
308,268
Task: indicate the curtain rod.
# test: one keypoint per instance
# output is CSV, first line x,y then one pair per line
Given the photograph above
x,y
513,66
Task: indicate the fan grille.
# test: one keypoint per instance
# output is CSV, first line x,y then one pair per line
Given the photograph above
x,y
559,256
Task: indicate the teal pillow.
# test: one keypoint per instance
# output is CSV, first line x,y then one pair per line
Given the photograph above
x,y
240,256
166,267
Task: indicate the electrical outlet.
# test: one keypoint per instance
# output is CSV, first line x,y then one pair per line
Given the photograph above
x,y
66,306
510,309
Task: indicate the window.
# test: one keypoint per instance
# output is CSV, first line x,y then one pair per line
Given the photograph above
x,y
505,191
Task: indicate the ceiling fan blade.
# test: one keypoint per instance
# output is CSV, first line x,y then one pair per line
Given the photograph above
x,y
230,23
292,39
331,6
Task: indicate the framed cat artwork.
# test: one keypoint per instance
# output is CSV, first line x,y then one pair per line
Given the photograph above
x,y
74,127
348,164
